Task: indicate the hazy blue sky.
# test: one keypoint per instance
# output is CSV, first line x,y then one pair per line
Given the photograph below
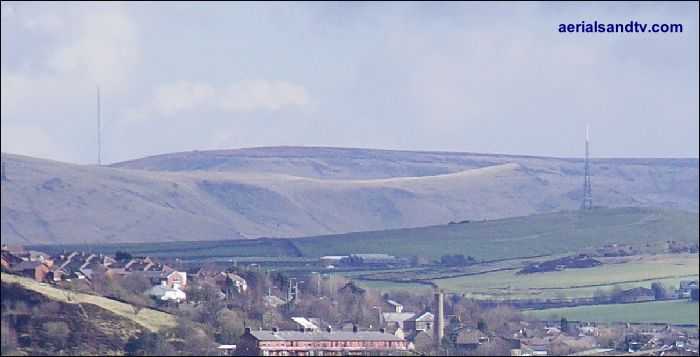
x,y
469,77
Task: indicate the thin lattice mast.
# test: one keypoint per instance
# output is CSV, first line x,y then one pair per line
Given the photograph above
x,y
99,136
587,198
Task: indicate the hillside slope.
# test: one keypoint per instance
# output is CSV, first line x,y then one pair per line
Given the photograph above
x,y
295,192
646,229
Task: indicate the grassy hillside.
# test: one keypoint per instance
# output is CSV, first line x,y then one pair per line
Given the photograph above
x,y
509,238
296,192
152,320
518,237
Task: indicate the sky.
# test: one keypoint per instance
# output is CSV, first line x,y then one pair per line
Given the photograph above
x,y
463,77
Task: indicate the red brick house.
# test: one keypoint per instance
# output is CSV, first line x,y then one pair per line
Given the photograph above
x,y
171,279
319,343
9,260
36,270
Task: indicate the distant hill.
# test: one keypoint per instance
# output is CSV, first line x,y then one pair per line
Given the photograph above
x,y
296,192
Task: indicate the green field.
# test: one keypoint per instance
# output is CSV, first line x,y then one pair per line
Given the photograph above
x,y
675,312
506,244
512,238
668,269
498,280
536,235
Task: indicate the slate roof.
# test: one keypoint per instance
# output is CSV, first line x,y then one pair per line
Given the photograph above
x,y
25,265
324,336
398,317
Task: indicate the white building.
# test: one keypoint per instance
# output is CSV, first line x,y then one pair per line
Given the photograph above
x,y
165,293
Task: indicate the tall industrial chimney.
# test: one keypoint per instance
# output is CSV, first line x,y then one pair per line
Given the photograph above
x,y
440,323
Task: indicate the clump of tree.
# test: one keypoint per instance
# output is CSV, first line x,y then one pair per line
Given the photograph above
x,y
146,343
123,255
659,291
482,326
128,288
565,325
457,260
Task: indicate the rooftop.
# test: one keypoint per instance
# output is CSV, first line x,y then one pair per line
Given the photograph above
x,y
324,336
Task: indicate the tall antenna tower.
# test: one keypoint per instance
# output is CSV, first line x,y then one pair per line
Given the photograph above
x,y
99,139
587,198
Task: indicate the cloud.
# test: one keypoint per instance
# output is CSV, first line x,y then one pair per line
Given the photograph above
x,y
53,58
32,141
105,52
7,11
249,95
416,76
182,96
244,96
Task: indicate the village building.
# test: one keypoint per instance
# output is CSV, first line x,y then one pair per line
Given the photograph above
x,y
304,324
171,279
376,260
686,287
331,261
468,338
166,293
223,280
273,301
37,270
420,322
319,343
420,341
637,294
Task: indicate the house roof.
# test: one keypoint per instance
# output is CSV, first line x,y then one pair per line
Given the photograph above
x,y
334,257
468,336
25,265
394,303
155,274
579,343
232,276
399,317
304,323
11,257
639,291
352,288
689,284
374,256
273,300
425,316
324,336
161,290
414,334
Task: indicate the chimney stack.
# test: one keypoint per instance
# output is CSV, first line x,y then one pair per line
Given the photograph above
x,y
329,329
382,330
354,328
440,323
275,329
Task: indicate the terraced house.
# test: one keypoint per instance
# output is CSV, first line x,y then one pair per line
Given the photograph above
x,y
319,343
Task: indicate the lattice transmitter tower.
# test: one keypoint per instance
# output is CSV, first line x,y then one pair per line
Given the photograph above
x,y
587,198
99,134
